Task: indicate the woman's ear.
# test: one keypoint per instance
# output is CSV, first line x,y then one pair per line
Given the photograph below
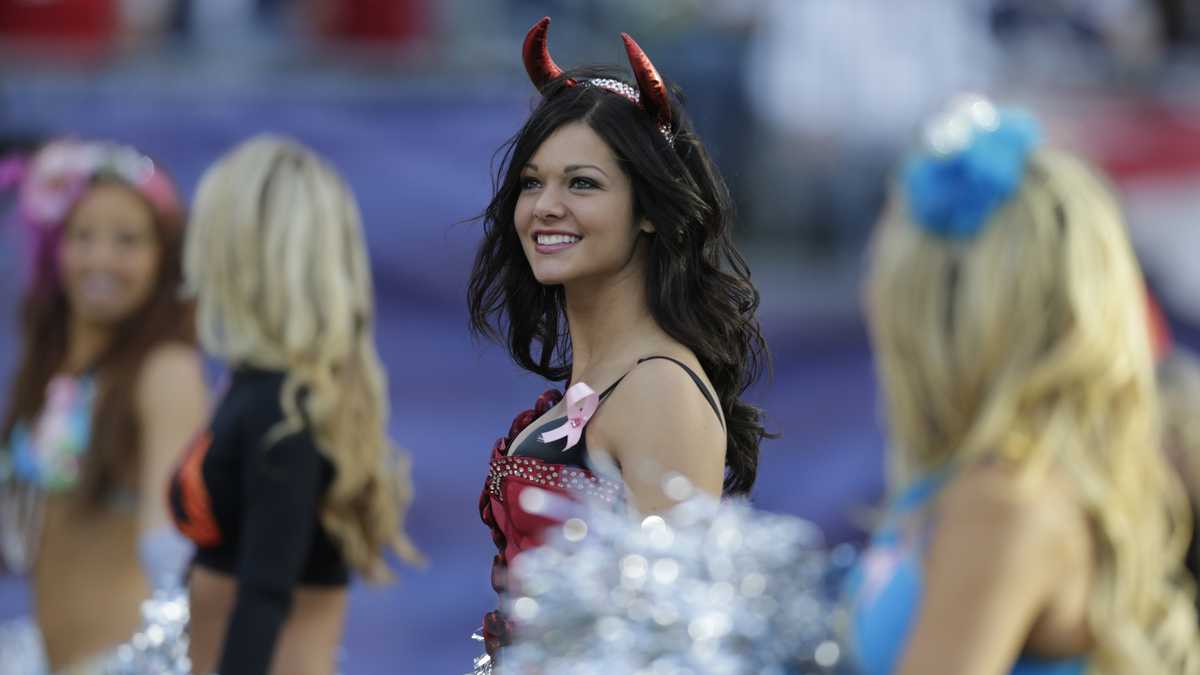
x,y
646,226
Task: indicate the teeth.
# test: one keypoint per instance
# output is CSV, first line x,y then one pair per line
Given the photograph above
x,y
552,239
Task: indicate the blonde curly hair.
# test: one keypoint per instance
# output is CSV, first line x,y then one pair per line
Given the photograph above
x,y
276,258
1028,345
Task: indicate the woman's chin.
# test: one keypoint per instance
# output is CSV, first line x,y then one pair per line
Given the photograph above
x,y
103,315
551,277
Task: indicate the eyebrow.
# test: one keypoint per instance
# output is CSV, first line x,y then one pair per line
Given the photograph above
x,y
571,167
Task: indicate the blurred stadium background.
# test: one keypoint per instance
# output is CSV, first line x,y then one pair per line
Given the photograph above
x,y
806,105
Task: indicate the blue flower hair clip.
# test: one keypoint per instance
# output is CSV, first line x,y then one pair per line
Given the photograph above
x,y
973,160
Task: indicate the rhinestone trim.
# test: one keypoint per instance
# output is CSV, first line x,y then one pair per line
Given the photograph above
x,y
616,87
621,88
537,472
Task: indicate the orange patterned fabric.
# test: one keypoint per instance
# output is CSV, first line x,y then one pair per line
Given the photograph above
x,y
193,515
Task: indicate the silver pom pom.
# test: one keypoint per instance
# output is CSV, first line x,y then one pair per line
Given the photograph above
x,y
160,647
482,665
21,650
710,587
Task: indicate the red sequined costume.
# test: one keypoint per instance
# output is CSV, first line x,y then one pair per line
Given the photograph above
x,y
513,529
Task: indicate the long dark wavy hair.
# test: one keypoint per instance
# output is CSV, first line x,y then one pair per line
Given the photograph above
x,y
697,283
165,317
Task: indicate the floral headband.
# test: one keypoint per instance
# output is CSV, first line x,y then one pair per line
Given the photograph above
x,y
53,179
972,161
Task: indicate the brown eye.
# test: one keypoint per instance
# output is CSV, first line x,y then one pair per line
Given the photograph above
x,y
127,240
80,235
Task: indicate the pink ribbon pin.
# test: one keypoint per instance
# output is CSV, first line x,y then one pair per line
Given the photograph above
x,y
581,405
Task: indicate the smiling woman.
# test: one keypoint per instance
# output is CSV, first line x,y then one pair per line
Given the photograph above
x,y
608,259
574,210
109,279
109,387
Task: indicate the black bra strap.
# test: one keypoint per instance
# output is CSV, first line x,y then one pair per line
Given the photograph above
x,y
604,394
712,402
695,378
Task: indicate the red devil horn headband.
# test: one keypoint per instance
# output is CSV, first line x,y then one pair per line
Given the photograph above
x,y
541,68
650,83
651,92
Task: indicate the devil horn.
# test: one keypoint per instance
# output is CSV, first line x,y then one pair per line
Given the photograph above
x,y
650,83
538,64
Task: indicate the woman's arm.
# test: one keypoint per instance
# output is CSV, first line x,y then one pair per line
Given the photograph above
x,y
989,573
172,404
657,422
281,494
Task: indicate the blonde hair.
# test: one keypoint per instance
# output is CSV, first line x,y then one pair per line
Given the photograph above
x,y
1028,345
1179,391
276,258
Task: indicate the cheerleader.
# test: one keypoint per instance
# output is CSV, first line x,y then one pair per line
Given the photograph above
x,y
294,486
607,263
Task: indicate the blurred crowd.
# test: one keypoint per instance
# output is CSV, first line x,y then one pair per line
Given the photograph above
x,y
818,93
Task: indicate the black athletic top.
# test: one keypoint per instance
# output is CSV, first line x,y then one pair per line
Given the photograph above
x,y
576,455
252,509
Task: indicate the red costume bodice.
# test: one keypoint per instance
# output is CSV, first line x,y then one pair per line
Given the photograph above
x,y
513,528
